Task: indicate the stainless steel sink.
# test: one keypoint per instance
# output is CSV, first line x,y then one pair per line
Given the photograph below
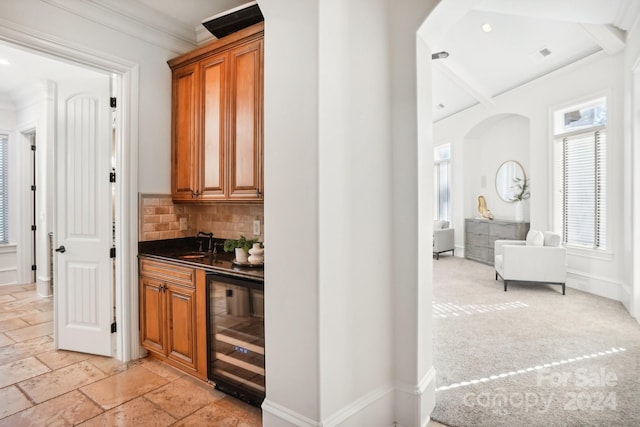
x,y
194,255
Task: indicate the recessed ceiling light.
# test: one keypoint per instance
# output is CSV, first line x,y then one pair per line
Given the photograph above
x,y
4,62
486,28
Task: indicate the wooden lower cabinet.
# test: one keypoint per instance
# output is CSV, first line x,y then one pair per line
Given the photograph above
x,y
173,315
152,315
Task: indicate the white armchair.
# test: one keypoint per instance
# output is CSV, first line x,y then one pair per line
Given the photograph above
x,y
443,238
541,258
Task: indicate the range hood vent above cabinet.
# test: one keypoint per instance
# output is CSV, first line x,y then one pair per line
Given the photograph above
x,y
233,20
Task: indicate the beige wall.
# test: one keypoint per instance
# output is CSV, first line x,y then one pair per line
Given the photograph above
x,y
160,219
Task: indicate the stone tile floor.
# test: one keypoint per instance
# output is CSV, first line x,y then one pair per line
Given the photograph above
x,y
43,386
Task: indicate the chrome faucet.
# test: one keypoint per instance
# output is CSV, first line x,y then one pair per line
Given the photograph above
x,y
210,236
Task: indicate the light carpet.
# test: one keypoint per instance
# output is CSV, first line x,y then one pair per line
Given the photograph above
x,y
530,356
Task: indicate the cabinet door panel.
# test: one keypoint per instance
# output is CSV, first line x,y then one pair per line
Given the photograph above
x,y
152,315
215,112
185,133
245,148
182,325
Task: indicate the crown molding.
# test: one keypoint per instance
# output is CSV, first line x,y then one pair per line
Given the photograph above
x,y
203,35
134,19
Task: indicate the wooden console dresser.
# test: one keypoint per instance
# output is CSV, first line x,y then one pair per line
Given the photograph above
x,y
480,235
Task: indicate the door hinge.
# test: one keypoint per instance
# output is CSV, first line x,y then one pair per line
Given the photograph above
x,y
34,267
112,252
114,328
33,147
34,228
33,188
113,102
112,177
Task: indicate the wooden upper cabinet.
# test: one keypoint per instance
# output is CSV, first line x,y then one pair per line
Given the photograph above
x,y
245,141
217,115
184,132
214,118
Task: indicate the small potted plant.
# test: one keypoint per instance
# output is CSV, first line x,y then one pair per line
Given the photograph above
x,y
520,189
241,247
521,193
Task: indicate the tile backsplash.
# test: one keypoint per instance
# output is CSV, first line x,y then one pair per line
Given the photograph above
x,y
160,219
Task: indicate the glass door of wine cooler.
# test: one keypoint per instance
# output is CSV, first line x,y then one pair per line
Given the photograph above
x,y
236,337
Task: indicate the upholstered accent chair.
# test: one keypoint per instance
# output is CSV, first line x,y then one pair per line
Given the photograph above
x,y
541,259
443,238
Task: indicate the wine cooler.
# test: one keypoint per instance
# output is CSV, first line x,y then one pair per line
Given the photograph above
x,y
235,309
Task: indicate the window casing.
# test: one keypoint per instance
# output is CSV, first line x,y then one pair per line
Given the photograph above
x,y
4,189
580,147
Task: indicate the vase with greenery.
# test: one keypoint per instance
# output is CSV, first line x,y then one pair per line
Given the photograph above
x,y
520,194
241,247
520,189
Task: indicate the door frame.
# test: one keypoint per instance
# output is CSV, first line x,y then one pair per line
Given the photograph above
x,y
126,300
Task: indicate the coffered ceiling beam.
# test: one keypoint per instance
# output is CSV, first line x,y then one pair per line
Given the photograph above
x,y
610,38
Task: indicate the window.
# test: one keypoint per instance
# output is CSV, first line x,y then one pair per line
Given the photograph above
x,y
442,182
581,174
4,189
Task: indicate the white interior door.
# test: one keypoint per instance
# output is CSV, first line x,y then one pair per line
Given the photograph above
x,y
83,295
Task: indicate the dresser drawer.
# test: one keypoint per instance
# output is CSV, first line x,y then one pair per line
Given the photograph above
x,y
504,231
480,237
478,253
473,239
477,227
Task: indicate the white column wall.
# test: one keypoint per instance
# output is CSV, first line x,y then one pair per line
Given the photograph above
x,y
347,306
291,212
631,169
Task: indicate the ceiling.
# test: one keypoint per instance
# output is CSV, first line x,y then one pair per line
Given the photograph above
x,y
480,65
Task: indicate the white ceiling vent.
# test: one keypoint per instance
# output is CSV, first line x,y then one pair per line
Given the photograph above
x,y
540,54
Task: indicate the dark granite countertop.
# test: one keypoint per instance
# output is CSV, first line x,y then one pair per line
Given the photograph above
x,y
186,252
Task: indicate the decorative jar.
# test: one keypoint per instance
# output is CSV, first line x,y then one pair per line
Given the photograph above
x,y
256,254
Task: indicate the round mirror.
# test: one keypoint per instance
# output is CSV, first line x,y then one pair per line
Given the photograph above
x,y
509,180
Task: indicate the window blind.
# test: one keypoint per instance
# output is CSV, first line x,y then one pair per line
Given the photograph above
x,y
4,189
584,164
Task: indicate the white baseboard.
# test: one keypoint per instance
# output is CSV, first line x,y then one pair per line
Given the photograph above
x,y
370,409
274,414
601,286
414,404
